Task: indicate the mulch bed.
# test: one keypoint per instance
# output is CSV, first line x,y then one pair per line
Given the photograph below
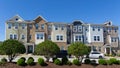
x,y
51,65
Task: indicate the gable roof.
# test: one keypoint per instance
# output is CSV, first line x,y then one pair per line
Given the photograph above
x,y
39,18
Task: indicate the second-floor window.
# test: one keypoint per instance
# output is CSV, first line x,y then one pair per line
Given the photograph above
x,y
42,26
96,38
23,36
9,25
59,37
115,29
15,36
39,36
11,36
62,27
23,26
78,38
16,26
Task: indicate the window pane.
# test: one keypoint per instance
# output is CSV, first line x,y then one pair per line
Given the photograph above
x,y
9,25
42,26
57,37
11,36
61,37
36,25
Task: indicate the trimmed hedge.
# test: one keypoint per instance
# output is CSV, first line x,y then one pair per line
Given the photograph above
x,y
4,60
41,61
76,62
87,61
64,60
21,62
57,62
30,62
102,61
23,58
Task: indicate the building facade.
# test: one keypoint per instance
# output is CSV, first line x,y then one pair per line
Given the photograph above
x,y
101,37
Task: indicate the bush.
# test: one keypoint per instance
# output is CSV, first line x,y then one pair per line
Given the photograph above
x,y
69,63
64,60
21,62
76,62
41,61
57,62
113,60
102,61
54,59
23,58
109,62
3,60
30,62
31,58
87,61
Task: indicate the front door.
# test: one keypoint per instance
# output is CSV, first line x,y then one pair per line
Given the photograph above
x,y
30,49
107,50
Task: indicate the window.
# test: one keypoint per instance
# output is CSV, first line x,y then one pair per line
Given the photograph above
x,y
49,37
23,26
23,36
15,36
56,27
62,27
30,26
113,39
75,28
11,36
16,26
9,25
98,28
59,37
42,26
30,36
115,29
36,26
49,27
79,28
78,38
39,36
93,28
96,38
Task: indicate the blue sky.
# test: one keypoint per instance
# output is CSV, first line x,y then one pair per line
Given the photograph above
x,y
90,11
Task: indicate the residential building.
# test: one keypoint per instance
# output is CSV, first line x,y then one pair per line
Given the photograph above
x,y
101,37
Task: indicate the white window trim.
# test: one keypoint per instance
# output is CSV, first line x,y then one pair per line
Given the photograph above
x,y
75,28
97,38
59,35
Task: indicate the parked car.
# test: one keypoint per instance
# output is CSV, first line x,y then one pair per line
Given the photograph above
x,y
96,54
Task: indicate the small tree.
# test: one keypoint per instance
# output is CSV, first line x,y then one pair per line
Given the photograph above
x,y
12,48
78,49
47,48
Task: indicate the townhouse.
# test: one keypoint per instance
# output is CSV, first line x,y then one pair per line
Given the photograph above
x,y
101,37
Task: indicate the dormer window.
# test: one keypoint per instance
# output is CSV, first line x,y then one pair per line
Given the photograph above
x,y
16,19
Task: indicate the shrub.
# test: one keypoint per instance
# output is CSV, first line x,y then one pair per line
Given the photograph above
x,y
21,62
102,61
87,61
109,62
113,60
41,61
93,62
54,58
69,63
3,60
31,58
76,62
30,62
57,62
23,58
64,60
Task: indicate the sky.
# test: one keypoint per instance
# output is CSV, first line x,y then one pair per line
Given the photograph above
x,y
88,11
